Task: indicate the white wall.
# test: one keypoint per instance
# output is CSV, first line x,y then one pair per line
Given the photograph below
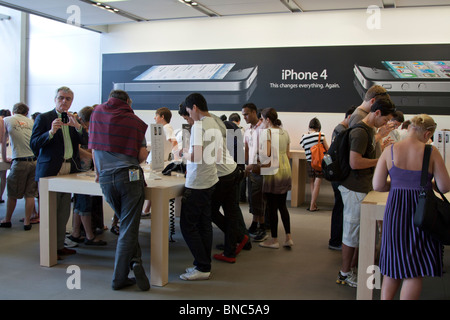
x,y
398,26
62,55
10,52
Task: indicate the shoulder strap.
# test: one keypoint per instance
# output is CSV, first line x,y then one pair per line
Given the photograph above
x,y
425,165
392,153
319,137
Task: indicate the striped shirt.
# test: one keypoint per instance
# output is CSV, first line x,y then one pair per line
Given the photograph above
x,y
310,139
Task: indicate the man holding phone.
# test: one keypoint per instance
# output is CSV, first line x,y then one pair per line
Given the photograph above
x,y
56,146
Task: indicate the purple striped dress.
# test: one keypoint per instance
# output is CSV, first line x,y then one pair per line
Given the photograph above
x,y
407,251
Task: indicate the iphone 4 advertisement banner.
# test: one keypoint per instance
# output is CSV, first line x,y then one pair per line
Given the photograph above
x,y
301,79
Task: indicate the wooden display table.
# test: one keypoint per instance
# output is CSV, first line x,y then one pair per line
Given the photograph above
x,y
298,177
158,191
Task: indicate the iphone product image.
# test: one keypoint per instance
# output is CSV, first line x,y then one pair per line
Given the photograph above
x,y
407,76
413,102
219,77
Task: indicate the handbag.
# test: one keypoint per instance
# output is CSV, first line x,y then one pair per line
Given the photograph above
x,y
432,213
317,153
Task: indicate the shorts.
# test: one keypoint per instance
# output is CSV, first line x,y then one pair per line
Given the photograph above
x,y
312,173
20,181
352,215
82,204
255,195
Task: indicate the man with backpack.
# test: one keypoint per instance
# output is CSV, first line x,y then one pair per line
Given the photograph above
x,y
354,188
335,242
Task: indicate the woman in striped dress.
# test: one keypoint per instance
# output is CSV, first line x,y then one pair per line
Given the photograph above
x,y
315,177
408,253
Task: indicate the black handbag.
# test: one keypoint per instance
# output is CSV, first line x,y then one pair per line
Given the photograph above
x,y
432,213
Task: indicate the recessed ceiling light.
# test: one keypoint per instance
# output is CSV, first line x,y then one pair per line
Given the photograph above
x,y
111,9
200,7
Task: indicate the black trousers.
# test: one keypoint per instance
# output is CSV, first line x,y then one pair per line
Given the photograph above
x,y
336,217
277,202
231,222
196,225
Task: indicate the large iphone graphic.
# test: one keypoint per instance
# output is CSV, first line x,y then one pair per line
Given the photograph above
x,y
221,77
407,76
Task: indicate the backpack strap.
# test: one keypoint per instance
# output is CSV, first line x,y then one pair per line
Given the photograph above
x,y
360,125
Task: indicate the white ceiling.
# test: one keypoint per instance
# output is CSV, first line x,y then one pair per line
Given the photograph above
x,y
90,15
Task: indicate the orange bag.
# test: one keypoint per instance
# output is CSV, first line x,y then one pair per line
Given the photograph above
x,y
317,153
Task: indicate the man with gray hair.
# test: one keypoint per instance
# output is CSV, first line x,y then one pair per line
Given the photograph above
x,y
55,142
20,181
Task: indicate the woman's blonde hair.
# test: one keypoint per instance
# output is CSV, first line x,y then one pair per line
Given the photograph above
x,y
424,122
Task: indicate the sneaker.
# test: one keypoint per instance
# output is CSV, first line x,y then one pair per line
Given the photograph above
x,y
350,279
222,257
69,243
253,231
195,275
337,248
289,243
242,244
274,245
190,269
261,236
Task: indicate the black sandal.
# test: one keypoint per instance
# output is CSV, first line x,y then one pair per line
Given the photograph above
x,y
75,239
92,242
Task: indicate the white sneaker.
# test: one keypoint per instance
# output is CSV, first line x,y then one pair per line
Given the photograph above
x,y
69,243
195,275
274,245
288,243
190,269
352,280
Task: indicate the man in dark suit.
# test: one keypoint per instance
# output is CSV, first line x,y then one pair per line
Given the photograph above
x,y
56,145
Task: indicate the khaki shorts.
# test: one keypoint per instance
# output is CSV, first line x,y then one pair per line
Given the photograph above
x,y
20,182
352,216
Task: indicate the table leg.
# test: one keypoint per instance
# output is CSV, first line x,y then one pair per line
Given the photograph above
x,y
366,255
47,225
159,238
298,182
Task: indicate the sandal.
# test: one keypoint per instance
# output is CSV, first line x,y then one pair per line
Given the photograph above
x,y
92,242
76,239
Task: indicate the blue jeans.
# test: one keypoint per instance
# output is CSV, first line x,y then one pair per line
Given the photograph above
x,y
126,198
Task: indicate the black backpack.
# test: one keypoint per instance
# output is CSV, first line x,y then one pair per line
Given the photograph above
x,y
336,162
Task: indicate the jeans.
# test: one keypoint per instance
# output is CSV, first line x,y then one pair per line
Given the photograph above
x,y
196,225
126,198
